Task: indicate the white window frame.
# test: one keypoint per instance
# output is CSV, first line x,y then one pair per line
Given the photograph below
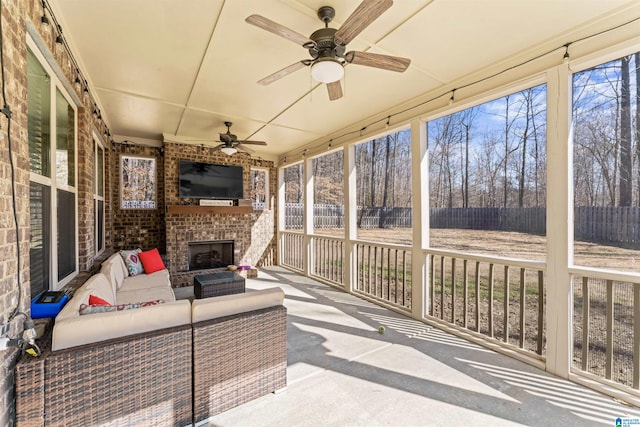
x,y
50,182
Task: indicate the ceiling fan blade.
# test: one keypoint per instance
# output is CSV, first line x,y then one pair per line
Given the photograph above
x,y
386,62
252,142
280,74
245,149
335,90
367,12
278,29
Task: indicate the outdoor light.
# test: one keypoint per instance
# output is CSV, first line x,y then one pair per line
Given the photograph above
x,y
43,18
229,151
59,39
327,70
566,57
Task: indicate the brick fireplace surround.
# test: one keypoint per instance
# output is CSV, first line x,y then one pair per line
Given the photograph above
x,y
253,232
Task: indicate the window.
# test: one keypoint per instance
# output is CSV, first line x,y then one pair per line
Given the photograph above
x,y
383,182
606,158
52,122
260,189
98,196
293,197
487,177
328,194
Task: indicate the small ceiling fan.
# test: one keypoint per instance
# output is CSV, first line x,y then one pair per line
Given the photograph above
x,y
231,144
327,46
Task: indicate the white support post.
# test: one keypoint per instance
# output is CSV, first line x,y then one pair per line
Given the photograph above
x,y
420,218
281,213
350,216
559,221
307,172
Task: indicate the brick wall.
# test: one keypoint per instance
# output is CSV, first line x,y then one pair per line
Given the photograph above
x,y
253,233
15,15
137,228
14,51
86,185
124,228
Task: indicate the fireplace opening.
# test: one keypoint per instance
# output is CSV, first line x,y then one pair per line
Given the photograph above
x,y
215,254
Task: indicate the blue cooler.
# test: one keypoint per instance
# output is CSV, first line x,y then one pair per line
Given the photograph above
x,y
48,304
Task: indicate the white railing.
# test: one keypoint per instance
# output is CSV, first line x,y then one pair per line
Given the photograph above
x,y
496,299
328,259
606,326
383,272
499,298
292,250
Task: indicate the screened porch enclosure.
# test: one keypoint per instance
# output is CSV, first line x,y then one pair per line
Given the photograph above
x,y
511,220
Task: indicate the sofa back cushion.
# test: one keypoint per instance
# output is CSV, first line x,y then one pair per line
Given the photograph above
x,y
98,285
115,269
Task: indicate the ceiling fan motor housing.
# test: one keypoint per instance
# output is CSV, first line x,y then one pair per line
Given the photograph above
x,y
325,44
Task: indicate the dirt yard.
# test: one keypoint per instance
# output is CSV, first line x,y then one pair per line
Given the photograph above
x,y
507,244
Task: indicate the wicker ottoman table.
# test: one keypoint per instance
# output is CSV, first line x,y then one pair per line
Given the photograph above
x,y
217,283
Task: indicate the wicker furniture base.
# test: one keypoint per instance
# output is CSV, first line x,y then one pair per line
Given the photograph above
x,y
217,283
30,385
144,379
238,358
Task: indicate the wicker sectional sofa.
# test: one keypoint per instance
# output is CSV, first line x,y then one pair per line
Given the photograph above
x,y
174,363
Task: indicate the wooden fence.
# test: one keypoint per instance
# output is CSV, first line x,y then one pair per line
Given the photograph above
x,y
332,216
525,220
607,224
592,224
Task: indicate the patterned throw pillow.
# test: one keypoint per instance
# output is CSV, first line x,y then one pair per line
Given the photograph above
x,y
92,309
132,261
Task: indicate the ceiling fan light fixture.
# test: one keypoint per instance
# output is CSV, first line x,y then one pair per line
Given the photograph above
x,y
327,70
229,151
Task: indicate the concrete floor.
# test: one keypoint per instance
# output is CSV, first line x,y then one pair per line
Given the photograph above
x,y
343,372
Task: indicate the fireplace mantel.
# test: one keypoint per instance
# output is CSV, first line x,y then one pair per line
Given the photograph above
x,y
194,209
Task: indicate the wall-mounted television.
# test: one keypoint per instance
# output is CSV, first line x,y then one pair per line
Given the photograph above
x,y
210,181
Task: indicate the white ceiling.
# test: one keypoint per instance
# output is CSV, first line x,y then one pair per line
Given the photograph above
x,y
182,68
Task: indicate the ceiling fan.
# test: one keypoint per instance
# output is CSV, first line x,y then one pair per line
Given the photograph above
x,y
327,46
231,144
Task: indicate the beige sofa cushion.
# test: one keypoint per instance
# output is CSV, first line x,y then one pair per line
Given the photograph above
x,y
226,305
145,281
142,295
79,330
115,269
97,285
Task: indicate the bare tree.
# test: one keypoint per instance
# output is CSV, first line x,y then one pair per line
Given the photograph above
x,y
637,127
467,118
385,191
625,177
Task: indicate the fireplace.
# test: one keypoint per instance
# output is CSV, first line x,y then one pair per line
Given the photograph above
x,y
214,254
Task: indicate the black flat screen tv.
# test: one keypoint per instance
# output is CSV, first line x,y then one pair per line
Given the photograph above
x,y
210,181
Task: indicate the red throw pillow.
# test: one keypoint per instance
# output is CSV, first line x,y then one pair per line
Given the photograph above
x,y
151,261
94,300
